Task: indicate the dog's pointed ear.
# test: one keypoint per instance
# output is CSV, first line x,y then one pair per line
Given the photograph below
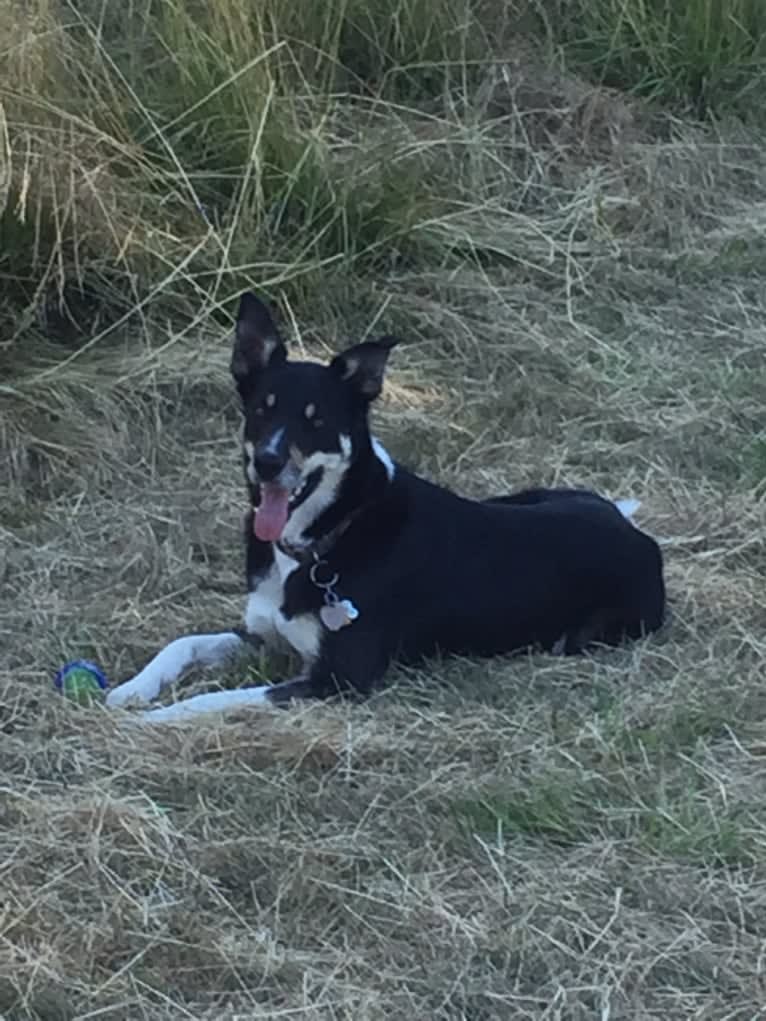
x,y
257,343
364,365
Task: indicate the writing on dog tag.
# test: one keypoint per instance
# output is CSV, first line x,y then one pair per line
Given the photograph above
x,y
338,615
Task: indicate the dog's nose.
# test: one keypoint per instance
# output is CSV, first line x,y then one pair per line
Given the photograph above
x,y
268,464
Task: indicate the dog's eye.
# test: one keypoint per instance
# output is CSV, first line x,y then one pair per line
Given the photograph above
x,y
310,412
269,401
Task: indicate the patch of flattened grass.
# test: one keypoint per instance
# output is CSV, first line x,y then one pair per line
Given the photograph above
x,y
677,731
693,829
663,803
547,811
685,829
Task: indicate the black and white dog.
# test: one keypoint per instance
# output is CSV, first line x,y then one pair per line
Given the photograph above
x,y
354,561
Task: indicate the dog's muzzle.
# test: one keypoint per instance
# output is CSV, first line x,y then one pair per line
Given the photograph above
x,y
268,465
279,497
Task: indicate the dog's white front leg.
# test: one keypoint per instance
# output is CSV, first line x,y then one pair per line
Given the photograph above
x,y
172,661
279,694
210,702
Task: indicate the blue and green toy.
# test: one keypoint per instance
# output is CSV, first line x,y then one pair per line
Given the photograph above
x,y
81,681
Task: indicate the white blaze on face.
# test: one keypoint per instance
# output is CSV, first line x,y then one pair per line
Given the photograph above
x,y
272,445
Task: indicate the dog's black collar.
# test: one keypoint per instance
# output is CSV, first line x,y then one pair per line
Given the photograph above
x,y
316,550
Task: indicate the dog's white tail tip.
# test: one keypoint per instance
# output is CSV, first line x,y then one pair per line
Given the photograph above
x,y
627,507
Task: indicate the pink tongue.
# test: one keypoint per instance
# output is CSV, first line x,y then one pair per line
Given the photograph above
x,y
271,514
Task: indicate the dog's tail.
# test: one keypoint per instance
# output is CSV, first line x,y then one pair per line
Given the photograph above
x,y
627,507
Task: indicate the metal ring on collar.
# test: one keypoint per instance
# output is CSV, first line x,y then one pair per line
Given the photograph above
x,y
322,584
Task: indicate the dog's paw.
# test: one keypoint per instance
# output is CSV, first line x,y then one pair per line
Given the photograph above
x,y
139,691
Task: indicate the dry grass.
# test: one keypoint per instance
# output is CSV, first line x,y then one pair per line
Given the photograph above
x,y
521,838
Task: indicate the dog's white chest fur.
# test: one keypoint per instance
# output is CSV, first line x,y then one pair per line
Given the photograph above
x,y
264,618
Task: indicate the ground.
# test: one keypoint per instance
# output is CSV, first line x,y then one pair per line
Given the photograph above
x,y
520,838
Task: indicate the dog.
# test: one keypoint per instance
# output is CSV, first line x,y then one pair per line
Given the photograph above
x,y
355,562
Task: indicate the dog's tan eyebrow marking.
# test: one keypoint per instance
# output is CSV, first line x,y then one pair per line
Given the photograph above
x,y
310,410
271,400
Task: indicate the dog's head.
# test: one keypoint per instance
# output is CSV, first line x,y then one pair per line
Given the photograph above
x,y
304,423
